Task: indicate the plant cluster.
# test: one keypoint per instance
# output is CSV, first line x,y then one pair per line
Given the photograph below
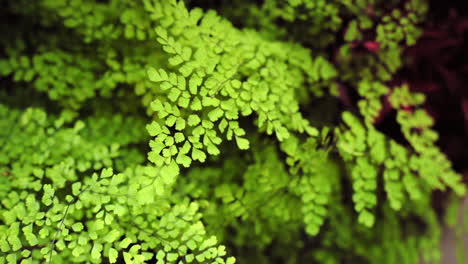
x,y
163,131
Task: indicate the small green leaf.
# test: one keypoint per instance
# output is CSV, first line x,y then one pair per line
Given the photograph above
x,y
11,258
112,236
212,149
157,106
125,243
184,160
170,121
174,94
366,218
113,254
175,60
106,173
153,75
161,32
242,143
192,245
77,227
198,155
215,114
76,188
160,255
193,120
179,137
186,69
96,251
183,102
156,158
189,258
186,53
196,104
172,256
194,82
153,129
180,124
25,253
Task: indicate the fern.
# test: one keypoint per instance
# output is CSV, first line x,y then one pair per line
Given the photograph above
x,y
156,131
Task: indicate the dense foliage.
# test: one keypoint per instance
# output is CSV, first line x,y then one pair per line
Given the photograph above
x,y
166,131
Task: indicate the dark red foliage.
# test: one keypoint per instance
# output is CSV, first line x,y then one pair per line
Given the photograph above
x,y
438,67
372,46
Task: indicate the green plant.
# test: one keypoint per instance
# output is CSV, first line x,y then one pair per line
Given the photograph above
x,y
148,132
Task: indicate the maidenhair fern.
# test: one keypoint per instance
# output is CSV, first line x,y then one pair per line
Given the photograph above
x,y
163,131
222,74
